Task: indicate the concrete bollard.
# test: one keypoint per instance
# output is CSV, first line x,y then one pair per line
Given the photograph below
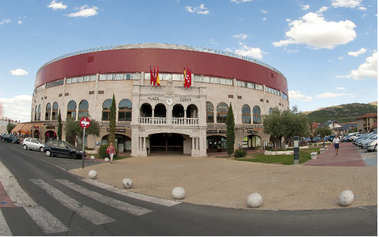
x,y
254,200
92,174
178,193
128,183
92,157
346,198
106,159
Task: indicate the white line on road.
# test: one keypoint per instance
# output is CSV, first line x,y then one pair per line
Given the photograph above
x,y
44,219
87,213
4,228
121,205
146,198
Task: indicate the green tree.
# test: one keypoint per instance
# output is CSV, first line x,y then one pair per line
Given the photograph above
x,y
74,132
112,122
323,131
60,125
10,127
230,136
272,124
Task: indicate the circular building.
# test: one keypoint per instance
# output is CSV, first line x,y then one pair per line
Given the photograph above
x,y
170,117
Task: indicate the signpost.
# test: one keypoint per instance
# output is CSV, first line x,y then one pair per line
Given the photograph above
x,y
84,123
296,150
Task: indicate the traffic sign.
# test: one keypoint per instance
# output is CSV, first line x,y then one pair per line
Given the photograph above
x,y
85,122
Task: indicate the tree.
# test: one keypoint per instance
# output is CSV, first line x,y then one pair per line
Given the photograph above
x,y
10,127
74,132
272,125
323,131
60,125
112,122
230,136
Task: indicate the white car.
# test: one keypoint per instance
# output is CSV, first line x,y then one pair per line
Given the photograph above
x,y
32,144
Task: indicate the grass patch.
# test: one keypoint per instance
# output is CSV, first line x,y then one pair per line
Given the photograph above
x,y
305,155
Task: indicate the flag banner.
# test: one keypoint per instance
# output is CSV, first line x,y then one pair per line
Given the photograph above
x,y
187,78
154,76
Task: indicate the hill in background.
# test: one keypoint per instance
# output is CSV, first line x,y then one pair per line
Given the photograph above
x,y
342,113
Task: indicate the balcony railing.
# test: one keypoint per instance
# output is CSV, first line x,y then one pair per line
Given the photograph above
x,y
165,121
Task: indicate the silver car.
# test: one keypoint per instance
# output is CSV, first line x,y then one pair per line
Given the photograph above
x,y
32,144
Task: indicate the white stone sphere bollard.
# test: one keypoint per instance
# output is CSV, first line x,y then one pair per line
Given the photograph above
x,y
106,159
92,157
92,174
254,200
128,183
178,193
346,198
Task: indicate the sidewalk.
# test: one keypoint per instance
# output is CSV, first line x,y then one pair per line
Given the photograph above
x,y
347,156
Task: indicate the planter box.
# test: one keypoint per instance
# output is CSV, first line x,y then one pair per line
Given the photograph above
x,y
275,153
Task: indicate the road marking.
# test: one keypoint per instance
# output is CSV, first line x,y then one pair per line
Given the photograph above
x,y
146,198
4,228
87,213
121,205
46,221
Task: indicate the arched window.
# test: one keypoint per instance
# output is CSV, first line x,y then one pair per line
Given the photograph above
x,y
39,112
192,111
178,111
125,110
160,110
146,110
257,115
35,113
54,116
48,111
83,109
106,110
71,110
222,112
210,112
246,114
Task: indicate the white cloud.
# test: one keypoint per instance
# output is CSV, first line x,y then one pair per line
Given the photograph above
x,y
340,58
241,1
322,9
5,21
264,19
328,95
346,3
288,20
240,36
57,5
19,72
201,10
17,108
357,53
249,51
305,7
362,8
297,95
366,70
340,88
19,22
313,30
84,11
264,11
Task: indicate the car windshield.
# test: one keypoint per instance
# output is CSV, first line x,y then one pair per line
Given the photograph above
x,y
34,141
68,145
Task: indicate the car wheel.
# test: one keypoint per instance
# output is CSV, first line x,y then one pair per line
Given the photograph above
x,y
41,149
25,147
48,153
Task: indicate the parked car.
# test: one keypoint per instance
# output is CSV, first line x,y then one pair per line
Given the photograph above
x,y
372,146
10,138
32,144
55,148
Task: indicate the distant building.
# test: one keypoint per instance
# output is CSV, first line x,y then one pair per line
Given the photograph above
x,y
367,122
334,126
4,123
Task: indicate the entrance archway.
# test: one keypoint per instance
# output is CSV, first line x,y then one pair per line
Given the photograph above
x,y
50,135
123,142
216,143
167,142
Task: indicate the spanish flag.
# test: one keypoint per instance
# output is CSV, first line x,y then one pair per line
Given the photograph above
x,y
157,75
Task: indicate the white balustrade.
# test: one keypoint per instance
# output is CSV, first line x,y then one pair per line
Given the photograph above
x,y
174,121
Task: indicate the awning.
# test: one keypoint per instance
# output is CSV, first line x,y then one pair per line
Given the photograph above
x,y
26,129
17,128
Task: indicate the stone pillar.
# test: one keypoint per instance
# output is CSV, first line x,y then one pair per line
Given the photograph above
x,y
135,141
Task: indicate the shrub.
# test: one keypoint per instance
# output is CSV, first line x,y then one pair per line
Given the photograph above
x,y
102,152
239,153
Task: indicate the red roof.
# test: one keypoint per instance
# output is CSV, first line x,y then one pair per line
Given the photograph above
x,y
368,115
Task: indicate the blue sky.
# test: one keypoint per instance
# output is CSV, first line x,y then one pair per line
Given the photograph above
x,y
326,49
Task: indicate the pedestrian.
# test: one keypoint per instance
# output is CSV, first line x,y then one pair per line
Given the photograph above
x,y
111,151
336,143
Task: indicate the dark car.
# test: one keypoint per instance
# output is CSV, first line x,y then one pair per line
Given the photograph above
x,y
56,148
10,138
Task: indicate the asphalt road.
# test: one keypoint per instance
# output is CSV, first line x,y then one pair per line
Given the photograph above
x,y
59,203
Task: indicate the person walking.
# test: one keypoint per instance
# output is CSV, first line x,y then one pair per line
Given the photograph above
x,y
336,143
111,151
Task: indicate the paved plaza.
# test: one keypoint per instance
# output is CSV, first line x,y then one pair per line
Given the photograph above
x,y
227,182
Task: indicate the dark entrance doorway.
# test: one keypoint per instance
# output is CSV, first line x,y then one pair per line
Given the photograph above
x,y
50,135
166,142
216,143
